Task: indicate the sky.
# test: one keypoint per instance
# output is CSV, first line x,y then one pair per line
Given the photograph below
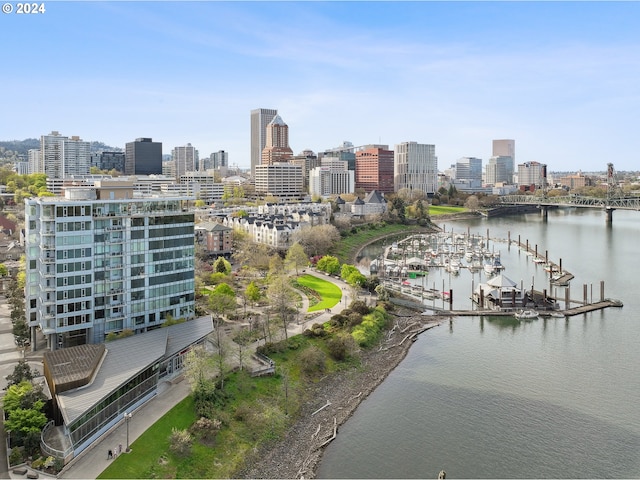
x,y
562,79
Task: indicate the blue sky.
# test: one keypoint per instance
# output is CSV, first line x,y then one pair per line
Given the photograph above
x,y
561,78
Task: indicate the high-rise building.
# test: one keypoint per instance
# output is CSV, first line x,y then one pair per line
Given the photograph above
x,y
277,147
281,180
504,148
331,178
499,170
532,173
62,156
108,161
35,165
260,118
307,160
468,168
143,157
185,159
374,169
99,261
416,167
220,159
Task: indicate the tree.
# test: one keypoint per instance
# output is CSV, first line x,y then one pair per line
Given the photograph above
x,y
21,333
22,371
282,297
317,240
4,271
472,203
197,367
296,257
199,203
329,264
252,292
221,301
352,276
221,265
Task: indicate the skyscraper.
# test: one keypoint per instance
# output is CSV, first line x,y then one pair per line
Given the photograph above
x,y
374,169
277,147
416,167
504,148
220,159
260,118
62,156
185,159
143,157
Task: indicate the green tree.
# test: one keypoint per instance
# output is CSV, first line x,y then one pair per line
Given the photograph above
x,y
21,333
296,257
21,372
252,292
221,265
329,264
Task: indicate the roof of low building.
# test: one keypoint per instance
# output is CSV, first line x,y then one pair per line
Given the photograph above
x,y
126,358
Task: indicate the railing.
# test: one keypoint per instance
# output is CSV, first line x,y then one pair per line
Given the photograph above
x,y
64,455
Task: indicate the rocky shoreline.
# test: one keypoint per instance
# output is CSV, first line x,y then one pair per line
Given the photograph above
x,y
331,401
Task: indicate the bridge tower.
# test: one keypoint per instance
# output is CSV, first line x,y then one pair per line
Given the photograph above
x,y
613,192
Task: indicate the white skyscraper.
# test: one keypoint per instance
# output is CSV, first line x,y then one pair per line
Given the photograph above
x,y
415,167
62,156
185,159
260,118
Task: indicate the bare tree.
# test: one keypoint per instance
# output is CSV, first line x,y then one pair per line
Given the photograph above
x,y
317,240
282,298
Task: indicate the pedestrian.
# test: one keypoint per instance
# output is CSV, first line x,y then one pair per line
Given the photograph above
x,y
115,453
120,448
109,455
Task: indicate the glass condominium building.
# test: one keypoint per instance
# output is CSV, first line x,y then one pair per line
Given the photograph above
x,y
99,261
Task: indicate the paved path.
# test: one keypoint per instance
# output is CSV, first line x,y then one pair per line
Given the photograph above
x,y
94,460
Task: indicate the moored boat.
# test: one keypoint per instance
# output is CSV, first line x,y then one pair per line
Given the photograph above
x,y
526,314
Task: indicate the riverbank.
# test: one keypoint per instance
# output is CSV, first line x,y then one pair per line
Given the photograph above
x,y
331,401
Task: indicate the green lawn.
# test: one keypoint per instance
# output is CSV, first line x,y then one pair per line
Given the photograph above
x,y
438,210
146,451
330,294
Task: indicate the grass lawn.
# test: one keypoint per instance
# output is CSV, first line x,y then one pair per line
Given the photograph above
x,y
329,292
146,451
438,210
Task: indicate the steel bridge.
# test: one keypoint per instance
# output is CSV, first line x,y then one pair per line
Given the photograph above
x,y
614,199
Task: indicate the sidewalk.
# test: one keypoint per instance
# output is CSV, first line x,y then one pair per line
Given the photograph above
x,y
94,460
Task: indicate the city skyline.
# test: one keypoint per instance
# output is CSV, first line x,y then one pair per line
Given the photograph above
x,y
558,78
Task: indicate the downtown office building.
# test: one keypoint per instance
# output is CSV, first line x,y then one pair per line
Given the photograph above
x,y
99,261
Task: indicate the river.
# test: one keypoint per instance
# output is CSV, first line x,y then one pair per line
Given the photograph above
x,y
495,398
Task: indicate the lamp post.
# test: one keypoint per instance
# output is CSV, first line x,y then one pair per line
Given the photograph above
x,y
127,417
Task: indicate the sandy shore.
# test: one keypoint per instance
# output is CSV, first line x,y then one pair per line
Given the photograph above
x,y
300,452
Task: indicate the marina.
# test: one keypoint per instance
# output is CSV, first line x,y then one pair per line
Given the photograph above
x,y
406,267
490,396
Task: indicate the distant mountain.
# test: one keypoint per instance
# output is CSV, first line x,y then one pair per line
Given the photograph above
x,y
19,147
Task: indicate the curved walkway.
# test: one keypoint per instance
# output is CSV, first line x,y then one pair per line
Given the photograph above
x,y
94,460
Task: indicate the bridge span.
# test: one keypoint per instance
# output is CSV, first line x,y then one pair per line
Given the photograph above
x,y
544,203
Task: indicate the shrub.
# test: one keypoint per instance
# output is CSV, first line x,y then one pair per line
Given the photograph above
x,y
180,441
270,348
313,360
16,456
341,346
355,319
360,307
368,332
